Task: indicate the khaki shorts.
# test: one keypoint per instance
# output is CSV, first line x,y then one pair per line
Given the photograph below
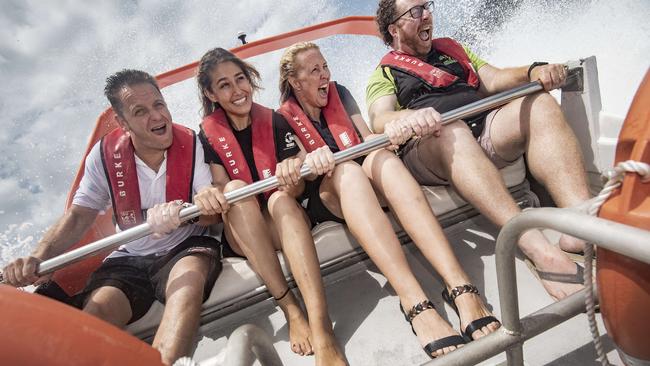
x,y
425,176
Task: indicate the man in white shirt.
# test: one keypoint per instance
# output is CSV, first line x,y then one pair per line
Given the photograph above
x,y
151,164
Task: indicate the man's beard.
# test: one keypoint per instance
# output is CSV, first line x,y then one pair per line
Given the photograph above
x,y
420,47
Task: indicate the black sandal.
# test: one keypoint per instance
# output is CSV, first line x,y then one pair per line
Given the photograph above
x,y
436,345
474,325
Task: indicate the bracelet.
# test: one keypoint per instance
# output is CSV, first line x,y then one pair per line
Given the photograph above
x,y
183,205
534,65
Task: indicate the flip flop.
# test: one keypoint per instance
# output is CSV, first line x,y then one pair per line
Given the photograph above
x,y
575,278
579,257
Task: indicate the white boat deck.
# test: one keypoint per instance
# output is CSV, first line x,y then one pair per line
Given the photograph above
x,y
370,327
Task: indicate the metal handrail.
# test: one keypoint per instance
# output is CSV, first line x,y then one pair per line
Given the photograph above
x,y
353,152
514,331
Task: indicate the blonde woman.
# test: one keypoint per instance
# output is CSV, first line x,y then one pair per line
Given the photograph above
x,y
326,118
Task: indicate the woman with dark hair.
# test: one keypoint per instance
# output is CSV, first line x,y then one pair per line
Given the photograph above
x,y
245,142
325,116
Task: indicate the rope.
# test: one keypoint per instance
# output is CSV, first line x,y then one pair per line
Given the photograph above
x,y
615,179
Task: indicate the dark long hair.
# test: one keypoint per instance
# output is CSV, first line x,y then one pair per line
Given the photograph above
x,y
208,63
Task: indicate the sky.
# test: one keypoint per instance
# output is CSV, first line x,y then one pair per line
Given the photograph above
x,y
55,56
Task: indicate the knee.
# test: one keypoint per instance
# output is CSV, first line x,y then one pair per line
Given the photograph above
x,y
455,132
381,154
107,311
279,196
454,137
379,161
545,109
187,279
376,159
237,184
281,201
350,173
348,168
545,100
233,184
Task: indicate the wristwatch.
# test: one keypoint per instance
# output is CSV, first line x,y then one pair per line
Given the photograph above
x,y
534,65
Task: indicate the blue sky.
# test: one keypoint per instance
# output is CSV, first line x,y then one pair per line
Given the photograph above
x,y
55,56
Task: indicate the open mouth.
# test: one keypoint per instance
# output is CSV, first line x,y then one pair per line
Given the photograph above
x,y
322,91
159,130
425,34
240,101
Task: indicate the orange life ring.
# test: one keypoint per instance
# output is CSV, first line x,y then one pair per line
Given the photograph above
x,y
36,330
623,282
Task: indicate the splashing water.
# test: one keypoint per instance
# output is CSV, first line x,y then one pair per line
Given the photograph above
x,y
54,59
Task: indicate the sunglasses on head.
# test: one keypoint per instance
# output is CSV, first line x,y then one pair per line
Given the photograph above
x,y
416,11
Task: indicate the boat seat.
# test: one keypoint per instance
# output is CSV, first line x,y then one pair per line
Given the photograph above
x,y
334,244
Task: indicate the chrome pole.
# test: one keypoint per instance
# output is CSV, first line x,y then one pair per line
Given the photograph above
x,y
620,238
142,230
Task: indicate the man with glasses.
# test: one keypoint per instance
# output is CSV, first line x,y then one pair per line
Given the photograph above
x,y
422,77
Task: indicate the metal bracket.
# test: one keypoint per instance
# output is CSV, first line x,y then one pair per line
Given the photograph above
x,y
575,77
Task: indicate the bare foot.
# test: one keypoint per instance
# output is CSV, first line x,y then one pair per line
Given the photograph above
x,y
551,259
327,351
472,308
571,244
429,327
299,333
299,336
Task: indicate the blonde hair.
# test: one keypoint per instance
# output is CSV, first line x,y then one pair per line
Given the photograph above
x,y
288,66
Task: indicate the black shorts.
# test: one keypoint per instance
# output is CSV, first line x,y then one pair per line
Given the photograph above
x,y
143,279
316,209
226,250
477,123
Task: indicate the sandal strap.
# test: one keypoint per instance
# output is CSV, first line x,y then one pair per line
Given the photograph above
x,y
462,289
477,325
577,278
441,343
417,309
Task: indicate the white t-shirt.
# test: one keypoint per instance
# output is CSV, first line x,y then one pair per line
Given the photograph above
x,y
93,192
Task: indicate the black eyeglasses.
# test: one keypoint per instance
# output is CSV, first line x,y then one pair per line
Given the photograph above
x,y
416,11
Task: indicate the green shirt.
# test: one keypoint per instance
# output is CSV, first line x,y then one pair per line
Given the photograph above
x,y
380,85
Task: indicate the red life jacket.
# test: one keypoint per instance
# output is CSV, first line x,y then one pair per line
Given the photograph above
x,y
223,142
434,76
118,158
338,122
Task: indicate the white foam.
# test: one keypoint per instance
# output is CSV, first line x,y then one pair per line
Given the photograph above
x,y
54,58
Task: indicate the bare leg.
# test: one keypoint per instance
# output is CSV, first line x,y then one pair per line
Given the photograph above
x,y
248,233
184,295
456,156
536,125
109,304
348,192
388,174
299,249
